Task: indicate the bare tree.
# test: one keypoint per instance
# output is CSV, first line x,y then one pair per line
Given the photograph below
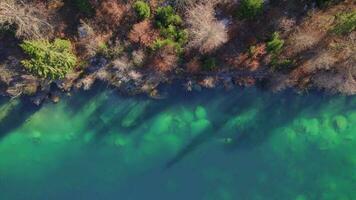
x,y
206,32
28,23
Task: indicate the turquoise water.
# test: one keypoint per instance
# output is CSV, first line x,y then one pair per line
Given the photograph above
x,y
209,145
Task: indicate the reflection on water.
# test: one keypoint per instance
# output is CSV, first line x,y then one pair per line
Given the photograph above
x,y
241,144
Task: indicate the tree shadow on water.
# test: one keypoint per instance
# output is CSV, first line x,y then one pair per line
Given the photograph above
x,y
277,111
17,116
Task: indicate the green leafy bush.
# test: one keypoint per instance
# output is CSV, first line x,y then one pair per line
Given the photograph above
x,y
142,9
176,34
51,60
275,45
249,9
169,24
84,6
166,16
345,23
158,44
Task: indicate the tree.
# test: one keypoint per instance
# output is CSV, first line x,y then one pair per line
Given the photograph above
x,y
51,60
142,9
206,32
249,9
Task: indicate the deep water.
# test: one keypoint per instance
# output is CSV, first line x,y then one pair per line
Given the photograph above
x,y
211,145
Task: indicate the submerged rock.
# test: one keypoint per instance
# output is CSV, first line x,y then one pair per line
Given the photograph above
x,y
200,112
340,123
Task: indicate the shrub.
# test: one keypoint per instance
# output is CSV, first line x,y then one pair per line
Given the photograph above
x,y
51,60
275,45
166,16
84,6
345,23
249,9
142,9
209,63
159,44
175,34
169,24
206,32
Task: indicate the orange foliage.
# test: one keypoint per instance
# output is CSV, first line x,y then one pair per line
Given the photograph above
x,y
164,60
143,33
251,60
110,12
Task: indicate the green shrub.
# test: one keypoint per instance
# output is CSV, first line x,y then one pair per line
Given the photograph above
x,y
84,6
169,24
345,23
51,60
142,9
166,16
249,9
158,44
279,64
176,34
275,45
209,63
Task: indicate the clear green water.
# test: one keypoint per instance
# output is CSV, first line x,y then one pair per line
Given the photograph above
x,y
212,145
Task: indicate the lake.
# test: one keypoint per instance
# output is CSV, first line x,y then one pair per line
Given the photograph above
x,y
210,145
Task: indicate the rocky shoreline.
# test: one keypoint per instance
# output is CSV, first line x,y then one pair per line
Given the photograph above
x,y
126,81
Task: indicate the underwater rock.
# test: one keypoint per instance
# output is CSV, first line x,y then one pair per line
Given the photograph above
x,y
200,112
199,126
120,141
340,123
134,114
39,98
309,126
54,97
36,137
208,82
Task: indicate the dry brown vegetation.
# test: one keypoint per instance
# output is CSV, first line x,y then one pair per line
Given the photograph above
x,y
164,60
113,42
110,13
26,18
143,33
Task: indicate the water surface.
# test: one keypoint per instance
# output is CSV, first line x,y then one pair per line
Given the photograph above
x,y
209,145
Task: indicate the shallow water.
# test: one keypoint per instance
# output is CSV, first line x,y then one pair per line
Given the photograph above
x,y
213,145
